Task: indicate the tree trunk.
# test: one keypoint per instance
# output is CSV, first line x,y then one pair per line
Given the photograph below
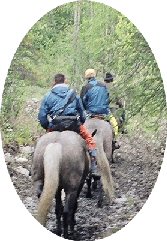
x,y
77,16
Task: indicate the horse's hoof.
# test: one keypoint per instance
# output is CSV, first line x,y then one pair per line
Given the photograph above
x,y
39,195
99,204
38,188
65,236
57,232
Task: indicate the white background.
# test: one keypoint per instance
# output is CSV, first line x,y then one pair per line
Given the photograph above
x,y
16,18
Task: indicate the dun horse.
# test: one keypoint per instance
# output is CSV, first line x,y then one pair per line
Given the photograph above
x,y
104,134
60,162
103,139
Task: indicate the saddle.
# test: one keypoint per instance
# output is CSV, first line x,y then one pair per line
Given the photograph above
x,y
100,117
110,119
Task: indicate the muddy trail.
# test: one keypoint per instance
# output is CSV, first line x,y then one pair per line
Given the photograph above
x,y
135,171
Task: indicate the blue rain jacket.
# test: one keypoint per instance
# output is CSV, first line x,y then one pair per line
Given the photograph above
x,y
54,102
95,97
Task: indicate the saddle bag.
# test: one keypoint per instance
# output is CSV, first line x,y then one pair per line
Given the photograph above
x,y
64,123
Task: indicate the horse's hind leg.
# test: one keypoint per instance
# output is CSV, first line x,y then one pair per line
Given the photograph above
x,y
73,209
38,187
100,197
58,211
65,216
69,212
89,183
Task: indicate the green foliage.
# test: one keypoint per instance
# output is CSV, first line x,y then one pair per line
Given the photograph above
x,y
97,37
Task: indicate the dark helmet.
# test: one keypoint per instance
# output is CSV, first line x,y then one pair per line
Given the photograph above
x,y
108,78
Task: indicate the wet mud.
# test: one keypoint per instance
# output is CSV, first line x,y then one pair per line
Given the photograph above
x,y
135,171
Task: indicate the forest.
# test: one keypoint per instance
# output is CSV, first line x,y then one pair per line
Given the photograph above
x,y
70,39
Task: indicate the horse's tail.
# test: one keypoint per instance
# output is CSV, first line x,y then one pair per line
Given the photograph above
x,y
106,177
52,160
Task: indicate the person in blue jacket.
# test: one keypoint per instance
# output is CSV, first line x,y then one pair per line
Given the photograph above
x,y
96,100
60,101
62,109
95,95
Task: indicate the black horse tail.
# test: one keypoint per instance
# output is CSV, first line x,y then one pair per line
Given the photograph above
x,y
52,161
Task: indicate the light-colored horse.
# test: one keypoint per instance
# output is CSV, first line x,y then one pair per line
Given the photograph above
x,y
103,137
60,162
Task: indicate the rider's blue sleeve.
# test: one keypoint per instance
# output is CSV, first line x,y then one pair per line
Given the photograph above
x,y
81,109
43,112
85,100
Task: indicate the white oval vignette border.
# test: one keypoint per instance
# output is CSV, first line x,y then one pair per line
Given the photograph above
x,y
16,18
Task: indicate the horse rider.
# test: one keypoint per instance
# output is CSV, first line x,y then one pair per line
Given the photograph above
x,y
117,110
95,99
62,109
